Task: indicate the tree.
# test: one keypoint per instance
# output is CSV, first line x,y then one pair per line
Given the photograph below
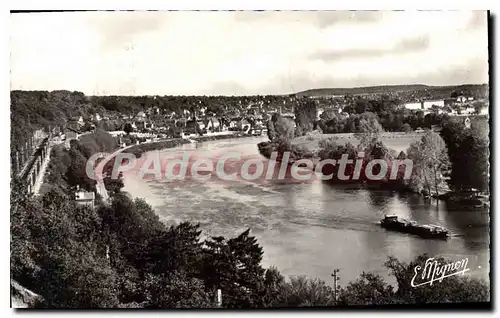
x,y
368,129
284,127
76,174
234,267
362,106
468,151
87,127
328,115
369,289
80,281
330,149
401,156
376,149
271,131
305,117
176,290
407,128
472,169
273,286
65,263
113,186
22,214
304,292
176,250
134,222
330,122
127,128
430,161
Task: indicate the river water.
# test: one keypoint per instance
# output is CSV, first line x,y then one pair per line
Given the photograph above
x,y
311,228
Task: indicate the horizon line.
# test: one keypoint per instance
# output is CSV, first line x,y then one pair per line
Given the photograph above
x,y
227,95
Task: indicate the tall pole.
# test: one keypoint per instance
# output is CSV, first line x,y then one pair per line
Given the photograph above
x,y
335,279
195,122
22,157
107,253
219,298
17,162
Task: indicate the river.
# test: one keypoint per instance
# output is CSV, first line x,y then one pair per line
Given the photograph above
x,y
311,228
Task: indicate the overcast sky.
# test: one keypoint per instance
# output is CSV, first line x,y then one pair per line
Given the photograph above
x,y
244,53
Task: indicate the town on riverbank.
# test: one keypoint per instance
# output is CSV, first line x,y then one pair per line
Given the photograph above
x,y
311,118
315,128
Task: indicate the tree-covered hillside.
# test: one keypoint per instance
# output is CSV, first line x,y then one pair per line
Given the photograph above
x,y
387,89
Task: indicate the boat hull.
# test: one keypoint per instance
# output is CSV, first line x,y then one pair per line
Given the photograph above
x,y
414,230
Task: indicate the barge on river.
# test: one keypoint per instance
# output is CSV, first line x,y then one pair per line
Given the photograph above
x,y
392,222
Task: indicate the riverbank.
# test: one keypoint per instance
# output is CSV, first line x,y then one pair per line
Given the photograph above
x,y
139,149
467,198
222,136
298,150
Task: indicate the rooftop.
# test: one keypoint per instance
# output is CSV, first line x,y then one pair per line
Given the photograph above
x,y
84,196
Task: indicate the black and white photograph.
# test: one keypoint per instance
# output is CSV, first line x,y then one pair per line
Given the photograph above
x,y
250,159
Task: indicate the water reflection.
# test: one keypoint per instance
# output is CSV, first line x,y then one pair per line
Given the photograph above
x,y
380,199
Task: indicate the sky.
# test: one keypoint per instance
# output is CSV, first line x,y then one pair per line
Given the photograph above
x,y
245,52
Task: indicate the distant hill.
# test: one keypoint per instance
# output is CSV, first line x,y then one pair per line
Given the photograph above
x,y
387,89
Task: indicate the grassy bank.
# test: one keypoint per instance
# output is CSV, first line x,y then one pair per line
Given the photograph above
x,y
399,141
308,146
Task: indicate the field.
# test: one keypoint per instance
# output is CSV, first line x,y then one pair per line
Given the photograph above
x,y
397,141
